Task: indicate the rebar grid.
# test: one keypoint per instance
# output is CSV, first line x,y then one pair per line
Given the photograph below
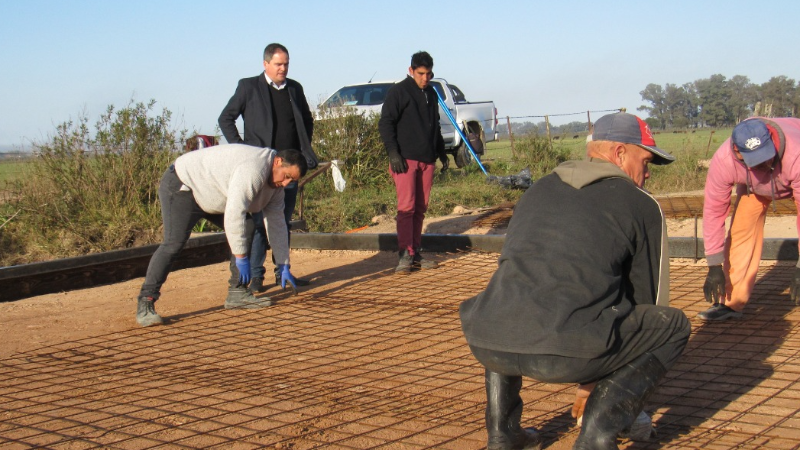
x,y
380,363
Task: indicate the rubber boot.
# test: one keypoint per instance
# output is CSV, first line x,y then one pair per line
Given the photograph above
x,y
616,401
503,414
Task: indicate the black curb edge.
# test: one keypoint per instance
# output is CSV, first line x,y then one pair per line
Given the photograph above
x,y
17,282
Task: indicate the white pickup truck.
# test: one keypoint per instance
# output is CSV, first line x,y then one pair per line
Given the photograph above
x,y
477,120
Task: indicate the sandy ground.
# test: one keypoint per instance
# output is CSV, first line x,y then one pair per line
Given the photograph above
x,y
32,328
40,321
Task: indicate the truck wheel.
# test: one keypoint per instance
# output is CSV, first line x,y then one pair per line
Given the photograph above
x,y
463,157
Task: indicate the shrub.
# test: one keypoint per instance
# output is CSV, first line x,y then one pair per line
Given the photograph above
x,y
537,153
86,194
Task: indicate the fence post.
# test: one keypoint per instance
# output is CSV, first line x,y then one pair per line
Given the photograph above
x,y
511,137
589,122
547,127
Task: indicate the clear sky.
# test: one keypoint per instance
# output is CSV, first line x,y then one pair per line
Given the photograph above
x,y
61,58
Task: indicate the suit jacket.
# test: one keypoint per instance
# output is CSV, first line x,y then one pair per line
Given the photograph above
x,y
252,101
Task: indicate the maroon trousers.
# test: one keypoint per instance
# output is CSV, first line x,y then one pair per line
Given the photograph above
x,y
413,192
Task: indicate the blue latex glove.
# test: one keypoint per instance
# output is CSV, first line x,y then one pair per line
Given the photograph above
x,y
243,264
287,277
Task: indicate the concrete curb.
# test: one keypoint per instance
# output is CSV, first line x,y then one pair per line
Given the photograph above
x,y
28,280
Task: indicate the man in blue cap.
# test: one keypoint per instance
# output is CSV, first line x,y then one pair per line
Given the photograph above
x,y
759,161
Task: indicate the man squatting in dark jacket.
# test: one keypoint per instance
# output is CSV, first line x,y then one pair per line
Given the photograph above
x,y
581,293
410,130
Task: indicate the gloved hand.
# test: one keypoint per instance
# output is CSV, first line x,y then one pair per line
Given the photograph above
x,y
243,264
397,162
794,290
714,287
287,277
445,162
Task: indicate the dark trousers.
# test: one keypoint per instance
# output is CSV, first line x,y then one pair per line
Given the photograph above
x,y
180,212
260,245
659,330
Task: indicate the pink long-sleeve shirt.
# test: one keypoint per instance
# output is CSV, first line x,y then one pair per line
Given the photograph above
x,y
727,171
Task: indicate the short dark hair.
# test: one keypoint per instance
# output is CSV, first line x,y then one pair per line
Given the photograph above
x,y
292,157
272,48
421,59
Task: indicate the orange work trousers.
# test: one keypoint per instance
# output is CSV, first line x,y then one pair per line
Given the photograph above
x,y
743,249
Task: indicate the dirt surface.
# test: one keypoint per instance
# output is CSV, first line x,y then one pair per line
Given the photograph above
x,y
361,359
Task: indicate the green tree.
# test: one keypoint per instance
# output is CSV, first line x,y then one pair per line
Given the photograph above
x,y
778,97
657,110
714,95
743,97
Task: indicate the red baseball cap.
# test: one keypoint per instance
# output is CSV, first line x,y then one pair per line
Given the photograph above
x,y
629,129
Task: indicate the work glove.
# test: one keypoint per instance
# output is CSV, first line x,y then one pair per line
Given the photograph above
x,y
397,162
445,162
794,290
287,277
243,264
714,287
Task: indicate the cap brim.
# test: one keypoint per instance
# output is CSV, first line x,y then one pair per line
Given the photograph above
x,y
759,155
660,157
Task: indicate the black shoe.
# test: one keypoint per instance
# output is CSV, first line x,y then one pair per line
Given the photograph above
x,y
422,263
257,285
616,401
503,415
719,312
404,264
297,281
146,314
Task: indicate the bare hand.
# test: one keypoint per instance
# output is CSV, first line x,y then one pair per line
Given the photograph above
x,y
581,396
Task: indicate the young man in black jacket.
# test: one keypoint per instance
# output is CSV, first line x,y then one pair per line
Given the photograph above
x,y
581,292
410,130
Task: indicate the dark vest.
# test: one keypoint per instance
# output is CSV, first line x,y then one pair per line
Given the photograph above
x,y
284,135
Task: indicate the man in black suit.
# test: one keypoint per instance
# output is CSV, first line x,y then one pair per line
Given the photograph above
x,y
276,115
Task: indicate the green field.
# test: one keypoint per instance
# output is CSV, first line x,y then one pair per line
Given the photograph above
x,y
685,174
11,169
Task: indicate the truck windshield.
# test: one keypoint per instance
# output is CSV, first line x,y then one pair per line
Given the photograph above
x,y
359,95
458,96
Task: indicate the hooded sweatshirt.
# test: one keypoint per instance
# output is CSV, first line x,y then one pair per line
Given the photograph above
x,y
584,246
727,171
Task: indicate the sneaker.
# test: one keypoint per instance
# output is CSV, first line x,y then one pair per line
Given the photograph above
x,y
239,298
423,264
641,430
257,285
405,263
719,312
146,312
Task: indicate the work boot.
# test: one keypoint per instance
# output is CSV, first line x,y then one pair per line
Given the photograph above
x,y
616,401
146,312
405,263
503,414
422,263
257,285
241,298
719,312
